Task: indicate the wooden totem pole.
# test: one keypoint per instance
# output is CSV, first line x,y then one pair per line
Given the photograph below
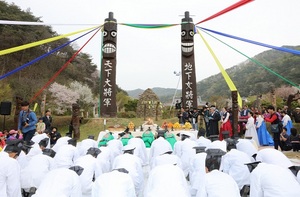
x,y
189,88
75,121
108,106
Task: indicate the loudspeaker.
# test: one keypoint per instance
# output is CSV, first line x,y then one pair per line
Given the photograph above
x,y
5,108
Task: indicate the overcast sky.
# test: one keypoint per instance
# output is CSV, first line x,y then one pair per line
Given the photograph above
x,y
148,58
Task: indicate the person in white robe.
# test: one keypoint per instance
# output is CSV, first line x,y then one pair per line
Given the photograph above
x,y
133,165
158,147
286,122
188,151
247,147
273,156
60,142
33,174
114,183
197,172
216,183
66,155
37,138
166,158
177,148
168,181
251,128
60,182
202,141
140,149
90,172
115,147
10,185
103,160
85,145
273,180
233,163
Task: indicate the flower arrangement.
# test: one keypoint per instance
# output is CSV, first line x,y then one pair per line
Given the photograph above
x,y
176,125
187,125
130,125
170,125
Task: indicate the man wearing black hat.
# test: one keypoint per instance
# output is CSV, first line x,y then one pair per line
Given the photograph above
x,y
88,162
27,122
10,170
61,182
217,183
159,146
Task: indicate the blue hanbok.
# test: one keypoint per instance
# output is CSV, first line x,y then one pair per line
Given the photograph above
x,y
264,137
287,123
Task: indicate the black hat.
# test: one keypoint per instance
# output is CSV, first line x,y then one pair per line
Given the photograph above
x,y
161,133
126,130
77,169
44,142
122,170
121,134
93,151
199,149
49,152
252,166
213,159
231,143
14,146
295,169
91,137
72,142
168,152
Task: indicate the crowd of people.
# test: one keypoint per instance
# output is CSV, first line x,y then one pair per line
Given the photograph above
x,y
157,163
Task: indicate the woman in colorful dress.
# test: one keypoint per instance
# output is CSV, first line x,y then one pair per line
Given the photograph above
x,y
264,137
225,123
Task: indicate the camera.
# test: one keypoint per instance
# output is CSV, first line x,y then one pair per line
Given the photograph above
x,y
24,122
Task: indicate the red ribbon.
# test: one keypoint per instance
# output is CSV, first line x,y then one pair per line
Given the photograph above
x,y
232,7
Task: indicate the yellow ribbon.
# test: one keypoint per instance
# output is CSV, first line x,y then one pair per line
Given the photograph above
x,y
35,106
34,44
224,73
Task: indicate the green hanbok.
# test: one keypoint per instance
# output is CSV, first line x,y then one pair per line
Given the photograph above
x,y
106,138
125,139
148,138
170,137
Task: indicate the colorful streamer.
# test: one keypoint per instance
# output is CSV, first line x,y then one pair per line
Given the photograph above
x,y
232,7
224,73
41,57
148,26
255,42
34,44
255,61
61,69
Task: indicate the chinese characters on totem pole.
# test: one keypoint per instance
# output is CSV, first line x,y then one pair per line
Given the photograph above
x,y
108,106
189,94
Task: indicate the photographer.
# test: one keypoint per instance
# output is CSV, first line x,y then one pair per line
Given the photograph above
x,y
27,122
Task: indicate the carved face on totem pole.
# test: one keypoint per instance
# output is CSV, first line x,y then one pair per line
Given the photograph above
x,y
187,39
109,39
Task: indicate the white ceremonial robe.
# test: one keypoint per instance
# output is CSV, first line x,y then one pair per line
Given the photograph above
x,y
113,183
273,156
33,174
158,147
177,148
268,180
166,159
197,172
103,160
233,163
88,163
66,156
60,142
218,145
140,149
247,147
167,181
37,138
60,182
9,176
115,147
85,145
187,153
202,141
251,130
133,165
218,184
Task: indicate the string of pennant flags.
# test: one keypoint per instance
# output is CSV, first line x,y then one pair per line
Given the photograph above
x,y
96,28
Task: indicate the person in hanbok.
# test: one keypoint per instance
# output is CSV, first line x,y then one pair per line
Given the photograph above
x,y
286,122
148,138
225,123
251,128
170,137
264,137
